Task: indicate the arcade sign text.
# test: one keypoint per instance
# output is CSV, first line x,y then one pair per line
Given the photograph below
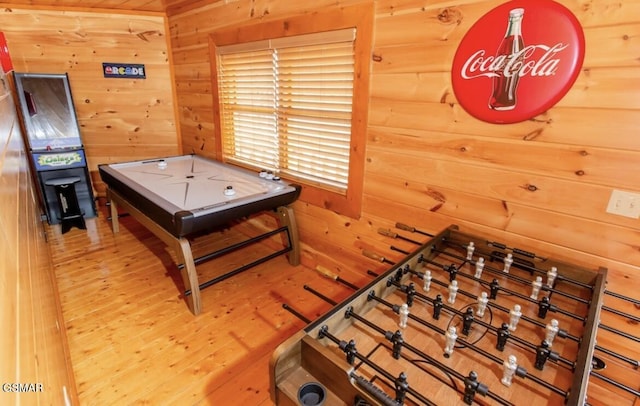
x,y
123,70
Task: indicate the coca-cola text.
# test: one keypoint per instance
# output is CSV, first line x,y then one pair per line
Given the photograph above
x,y
516,64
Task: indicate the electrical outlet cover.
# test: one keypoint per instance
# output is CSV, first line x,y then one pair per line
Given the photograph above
x,y
624,204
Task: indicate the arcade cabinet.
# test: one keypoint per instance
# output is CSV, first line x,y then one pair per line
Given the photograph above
x,y
55,148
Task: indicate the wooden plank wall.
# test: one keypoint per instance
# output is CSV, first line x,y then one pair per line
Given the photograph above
x,y
33,345
544,182
120,119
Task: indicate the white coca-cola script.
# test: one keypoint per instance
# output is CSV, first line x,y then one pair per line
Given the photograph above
x,y
517,63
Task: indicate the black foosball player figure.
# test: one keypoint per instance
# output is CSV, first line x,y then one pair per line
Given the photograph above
x,y
350,350
402,386
397,341
437,307
542,354
543,307
472,386
411,292
494,286
503,334
453,271
467,320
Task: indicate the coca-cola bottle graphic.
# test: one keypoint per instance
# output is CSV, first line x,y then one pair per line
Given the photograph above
x,y
505,83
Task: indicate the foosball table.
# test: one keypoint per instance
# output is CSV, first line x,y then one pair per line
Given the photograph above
x,y
460,320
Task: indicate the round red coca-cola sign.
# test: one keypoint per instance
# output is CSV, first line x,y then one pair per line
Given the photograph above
x,y
518,61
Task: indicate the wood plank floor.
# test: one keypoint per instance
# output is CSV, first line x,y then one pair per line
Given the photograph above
x,y
132,338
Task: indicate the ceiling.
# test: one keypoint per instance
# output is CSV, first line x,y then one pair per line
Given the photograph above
x,y
164,6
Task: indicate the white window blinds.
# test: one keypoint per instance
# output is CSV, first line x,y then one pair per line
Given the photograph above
x,y
286,105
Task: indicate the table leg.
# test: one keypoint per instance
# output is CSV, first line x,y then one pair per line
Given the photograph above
x,y
288,219
113,205
180,245
189,275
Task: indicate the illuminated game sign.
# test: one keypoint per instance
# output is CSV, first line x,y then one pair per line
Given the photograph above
x,y
59,160
518,61
123,70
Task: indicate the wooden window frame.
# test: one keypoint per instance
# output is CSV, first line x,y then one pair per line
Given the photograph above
x,y
361,18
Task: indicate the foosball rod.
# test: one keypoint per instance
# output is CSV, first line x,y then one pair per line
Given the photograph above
x,y
324,333
410,229
391,234
499,245
490,269
498,306
465,343
619,296
424,355
295,313
504,309
518,251
529,268
371,254
621,313
524,281
619,332
558,310
615,383
635,363
511,292
320,295
504,247
488,326
331,275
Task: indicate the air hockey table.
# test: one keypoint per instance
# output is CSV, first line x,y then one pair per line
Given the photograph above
x,y
180,196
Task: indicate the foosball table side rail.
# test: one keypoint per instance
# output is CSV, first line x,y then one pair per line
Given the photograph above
x,y
578,391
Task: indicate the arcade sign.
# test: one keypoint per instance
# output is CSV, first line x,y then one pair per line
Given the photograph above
x,y
123,70
518,61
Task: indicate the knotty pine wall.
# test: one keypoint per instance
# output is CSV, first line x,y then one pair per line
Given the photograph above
x,y
33,345
543,183
120,119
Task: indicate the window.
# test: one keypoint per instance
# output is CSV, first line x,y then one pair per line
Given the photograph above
x,y
286,105
295,101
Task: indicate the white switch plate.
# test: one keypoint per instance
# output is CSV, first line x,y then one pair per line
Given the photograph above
x,y
624,204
